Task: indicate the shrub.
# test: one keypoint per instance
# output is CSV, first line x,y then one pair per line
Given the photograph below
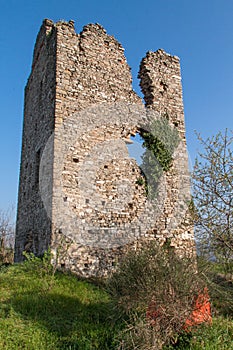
x,y
157,289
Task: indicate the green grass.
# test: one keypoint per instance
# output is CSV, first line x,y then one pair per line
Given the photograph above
x,y
46,312
218,336
72,314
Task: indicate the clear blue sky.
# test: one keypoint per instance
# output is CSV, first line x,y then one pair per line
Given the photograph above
x,y
200,32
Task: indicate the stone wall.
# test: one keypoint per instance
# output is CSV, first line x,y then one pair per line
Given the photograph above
x,y
160,81
91,68
33,228
88,202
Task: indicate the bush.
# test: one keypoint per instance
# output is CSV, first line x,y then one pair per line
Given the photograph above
x,y
157,289
42,268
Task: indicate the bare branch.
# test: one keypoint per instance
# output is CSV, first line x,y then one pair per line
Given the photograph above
x,y
213,196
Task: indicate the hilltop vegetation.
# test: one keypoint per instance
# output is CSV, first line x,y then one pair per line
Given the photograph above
x,y
45,310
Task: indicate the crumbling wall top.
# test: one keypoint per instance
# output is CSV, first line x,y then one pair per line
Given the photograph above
x,y
160,82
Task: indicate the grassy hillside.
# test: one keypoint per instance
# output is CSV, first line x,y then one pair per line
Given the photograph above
x,y
60,313
42,311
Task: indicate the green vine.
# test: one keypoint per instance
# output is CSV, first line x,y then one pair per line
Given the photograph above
x,y
160,143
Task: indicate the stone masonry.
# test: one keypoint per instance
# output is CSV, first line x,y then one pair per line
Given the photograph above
x,y
80,194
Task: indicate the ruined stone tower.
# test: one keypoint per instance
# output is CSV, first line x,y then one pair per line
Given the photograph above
x,y
80,194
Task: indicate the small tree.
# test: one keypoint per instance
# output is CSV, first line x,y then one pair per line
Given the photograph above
x,y
213,199
7,235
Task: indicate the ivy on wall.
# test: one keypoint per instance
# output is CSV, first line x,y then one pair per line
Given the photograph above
x,y
160,143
